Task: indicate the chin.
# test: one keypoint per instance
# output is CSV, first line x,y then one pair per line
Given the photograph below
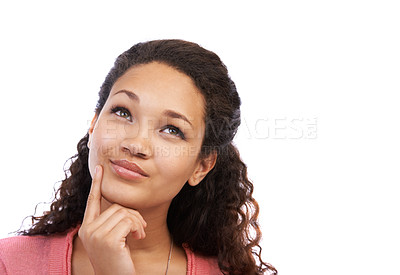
x,y
122,194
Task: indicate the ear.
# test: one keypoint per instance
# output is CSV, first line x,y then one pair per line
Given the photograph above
x,y
203,167
90,131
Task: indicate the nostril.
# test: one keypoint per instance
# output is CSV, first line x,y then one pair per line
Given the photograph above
x,y
134,152
141,155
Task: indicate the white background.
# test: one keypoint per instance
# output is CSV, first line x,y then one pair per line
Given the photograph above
x,y
320,132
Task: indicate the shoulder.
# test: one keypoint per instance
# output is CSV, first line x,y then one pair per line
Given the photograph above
x,y
198,264
18,254
22,253
21,245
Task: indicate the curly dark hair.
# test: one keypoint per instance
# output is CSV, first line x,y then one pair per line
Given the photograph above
x,y
217,217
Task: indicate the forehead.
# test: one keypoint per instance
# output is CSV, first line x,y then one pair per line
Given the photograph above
x,y
160,87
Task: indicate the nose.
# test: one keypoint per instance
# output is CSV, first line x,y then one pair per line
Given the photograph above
x,y
137,142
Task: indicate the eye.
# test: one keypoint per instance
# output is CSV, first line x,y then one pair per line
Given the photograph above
x,y
121,112
174,131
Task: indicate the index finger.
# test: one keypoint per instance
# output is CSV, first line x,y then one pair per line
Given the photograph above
x,y
92,210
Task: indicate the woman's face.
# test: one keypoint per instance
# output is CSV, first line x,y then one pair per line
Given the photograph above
x,y
153,119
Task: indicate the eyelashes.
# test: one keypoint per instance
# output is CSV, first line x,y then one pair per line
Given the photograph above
x,y
175,131
119,111
168,129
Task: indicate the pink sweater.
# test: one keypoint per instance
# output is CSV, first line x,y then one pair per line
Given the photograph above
x,y
52,255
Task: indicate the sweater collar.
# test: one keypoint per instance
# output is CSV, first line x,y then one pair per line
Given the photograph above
x,y
61,252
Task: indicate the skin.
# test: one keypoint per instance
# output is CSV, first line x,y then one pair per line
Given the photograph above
x,y
124,230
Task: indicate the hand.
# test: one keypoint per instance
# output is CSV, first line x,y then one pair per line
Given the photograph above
x,y
104,235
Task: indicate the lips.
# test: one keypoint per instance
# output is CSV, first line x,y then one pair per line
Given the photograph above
x,y
128,170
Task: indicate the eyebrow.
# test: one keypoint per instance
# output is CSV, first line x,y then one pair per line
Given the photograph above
x,y
131,95
168,113
173,114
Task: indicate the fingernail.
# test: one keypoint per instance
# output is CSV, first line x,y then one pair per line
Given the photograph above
x,y
96,170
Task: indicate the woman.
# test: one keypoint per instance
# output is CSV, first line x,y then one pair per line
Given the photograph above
x,y
157,186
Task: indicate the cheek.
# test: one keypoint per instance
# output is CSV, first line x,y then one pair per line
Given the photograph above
x,y
177,163
103,144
